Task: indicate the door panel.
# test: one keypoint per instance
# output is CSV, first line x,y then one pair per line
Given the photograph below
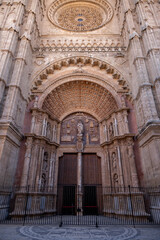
x,y
91,169
67,174
67,177
90,200
91,181
69,200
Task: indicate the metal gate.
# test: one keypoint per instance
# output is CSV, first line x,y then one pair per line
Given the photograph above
x,y
87,205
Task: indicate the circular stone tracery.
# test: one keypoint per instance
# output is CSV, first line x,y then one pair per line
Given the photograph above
x,y
80,16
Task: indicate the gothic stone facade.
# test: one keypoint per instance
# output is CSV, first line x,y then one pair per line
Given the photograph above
x,y
79,77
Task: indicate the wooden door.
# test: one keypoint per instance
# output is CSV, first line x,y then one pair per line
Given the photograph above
x,y
67,181
91,169
92,181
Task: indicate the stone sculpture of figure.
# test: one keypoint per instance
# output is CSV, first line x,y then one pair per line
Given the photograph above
x,y
36,102
48,130
79,137
111,132
80,128
45,161
123,102
43,182
115,181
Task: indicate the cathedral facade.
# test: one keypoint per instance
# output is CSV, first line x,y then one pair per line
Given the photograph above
x,y
79,94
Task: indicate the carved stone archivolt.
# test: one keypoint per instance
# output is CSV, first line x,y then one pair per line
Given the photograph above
x,y
53,68
80,16
80,95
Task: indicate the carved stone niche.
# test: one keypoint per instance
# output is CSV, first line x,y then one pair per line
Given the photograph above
x,y
70,132
115,125
43,125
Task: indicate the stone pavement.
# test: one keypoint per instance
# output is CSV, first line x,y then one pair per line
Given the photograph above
x,y
48,232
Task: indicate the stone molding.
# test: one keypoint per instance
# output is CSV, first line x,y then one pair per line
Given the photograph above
x,y
43,75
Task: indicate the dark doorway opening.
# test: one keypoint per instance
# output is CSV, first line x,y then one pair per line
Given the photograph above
x,y
90,200
69,200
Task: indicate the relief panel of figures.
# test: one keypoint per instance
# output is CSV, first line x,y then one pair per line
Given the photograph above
x,y
90,129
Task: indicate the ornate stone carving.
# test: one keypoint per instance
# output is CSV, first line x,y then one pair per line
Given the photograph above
x,y
131,159
100,107
78,127
80,16
80,137
114,161
44,172
109,69
49,130
111,131
115,180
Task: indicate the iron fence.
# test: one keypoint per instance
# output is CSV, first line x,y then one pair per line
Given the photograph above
x,y
75,205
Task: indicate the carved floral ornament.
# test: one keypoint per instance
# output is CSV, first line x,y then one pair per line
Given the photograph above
x,y
80,16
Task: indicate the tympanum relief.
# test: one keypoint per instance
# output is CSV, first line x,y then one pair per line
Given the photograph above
x,y
80,126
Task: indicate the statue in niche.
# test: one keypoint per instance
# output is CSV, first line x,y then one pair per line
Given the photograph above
x,y
111,132
115,180
80,128
48,130
45,162
36,102
44,171
43,182
18,113
114,160
123,102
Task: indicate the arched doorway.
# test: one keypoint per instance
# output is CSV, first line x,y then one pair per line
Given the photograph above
x,y
79,173
80,122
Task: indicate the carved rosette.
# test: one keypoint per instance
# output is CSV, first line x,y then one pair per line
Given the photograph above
x,y
80,15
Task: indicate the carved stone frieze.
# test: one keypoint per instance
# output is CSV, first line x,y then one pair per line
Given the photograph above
x,y
81,45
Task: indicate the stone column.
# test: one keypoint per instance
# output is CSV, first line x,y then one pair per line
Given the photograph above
x,y
39,165
120,167
58,133
33,123
150,31
52,169
27,161
120,123
79,184
33,164
80,147
141,86
132,164
125,123
12,18
108,168
115,126
54,133
157,88
44,125
18,91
